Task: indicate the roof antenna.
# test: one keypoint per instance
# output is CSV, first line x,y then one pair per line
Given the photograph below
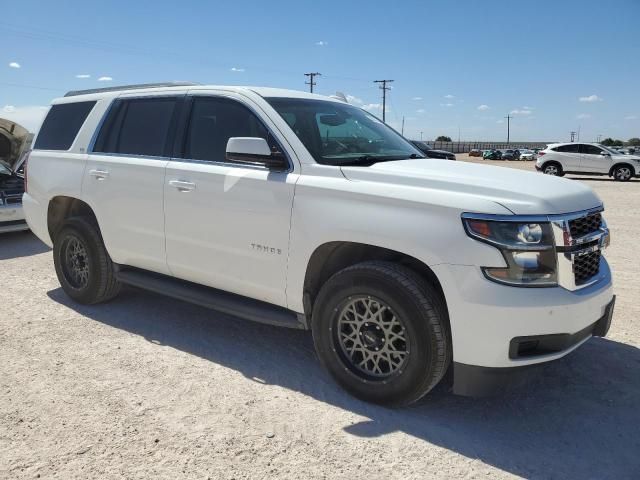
x,y
340,96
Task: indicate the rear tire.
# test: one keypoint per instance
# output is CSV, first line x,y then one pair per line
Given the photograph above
x,y
553,169
83,266
382,333
622,173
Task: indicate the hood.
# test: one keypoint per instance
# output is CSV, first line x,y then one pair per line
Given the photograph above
x,y
523,193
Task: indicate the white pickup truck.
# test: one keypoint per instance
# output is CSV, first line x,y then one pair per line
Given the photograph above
x,y
304,211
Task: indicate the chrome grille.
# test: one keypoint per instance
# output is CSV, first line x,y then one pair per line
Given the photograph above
x,y
586,266
582,226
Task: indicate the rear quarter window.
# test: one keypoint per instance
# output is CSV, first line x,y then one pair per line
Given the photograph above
x,y
61,126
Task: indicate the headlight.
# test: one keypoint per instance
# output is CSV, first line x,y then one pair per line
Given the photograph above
x,y
528,249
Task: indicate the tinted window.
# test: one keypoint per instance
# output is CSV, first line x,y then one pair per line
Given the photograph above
x,y
215,120
590,150
61,126
571,148
138,126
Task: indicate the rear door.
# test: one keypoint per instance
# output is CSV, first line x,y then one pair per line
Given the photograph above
x,y
124,177
568,156
227,224
593,160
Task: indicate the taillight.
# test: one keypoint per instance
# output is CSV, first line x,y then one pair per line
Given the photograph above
x,y
540,153
24,170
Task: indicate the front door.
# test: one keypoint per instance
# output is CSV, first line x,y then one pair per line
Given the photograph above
x,y
227,225
594,159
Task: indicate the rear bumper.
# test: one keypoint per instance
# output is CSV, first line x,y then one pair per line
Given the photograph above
x,y
36,216
478,381
12,219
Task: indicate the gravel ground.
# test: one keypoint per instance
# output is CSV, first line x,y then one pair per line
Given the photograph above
x,y
149,387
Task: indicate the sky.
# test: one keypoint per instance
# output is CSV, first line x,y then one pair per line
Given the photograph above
x,y
459,67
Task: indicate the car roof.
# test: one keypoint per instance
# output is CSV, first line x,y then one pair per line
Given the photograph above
x,y
110,92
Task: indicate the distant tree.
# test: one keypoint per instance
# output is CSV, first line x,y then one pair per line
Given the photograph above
x,y
443,138
618,143
635,141
608,142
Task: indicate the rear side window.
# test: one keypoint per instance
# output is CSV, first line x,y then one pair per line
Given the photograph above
x,y
571,148
62,125
138,126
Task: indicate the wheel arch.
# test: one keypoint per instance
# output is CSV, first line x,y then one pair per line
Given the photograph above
x,y
622,164
61,208
329,258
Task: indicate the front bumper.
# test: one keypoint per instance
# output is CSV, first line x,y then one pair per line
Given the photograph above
x,y
12,219
477,381
486,316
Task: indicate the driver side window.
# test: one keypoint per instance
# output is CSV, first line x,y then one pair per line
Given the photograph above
x,y
341,135
590,150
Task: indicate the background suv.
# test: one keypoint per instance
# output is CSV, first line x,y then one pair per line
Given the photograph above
x,y
587,158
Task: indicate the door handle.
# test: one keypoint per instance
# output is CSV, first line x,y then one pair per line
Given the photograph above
x,y
99,174
183,186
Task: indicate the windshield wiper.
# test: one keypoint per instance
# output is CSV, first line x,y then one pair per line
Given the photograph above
x,y
368,160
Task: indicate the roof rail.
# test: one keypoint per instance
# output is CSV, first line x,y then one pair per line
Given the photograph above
x,y
139,86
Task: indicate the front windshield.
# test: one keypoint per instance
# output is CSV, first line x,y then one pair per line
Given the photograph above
x,y
341,134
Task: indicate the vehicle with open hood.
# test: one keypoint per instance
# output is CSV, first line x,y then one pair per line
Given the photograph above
x,y
13,142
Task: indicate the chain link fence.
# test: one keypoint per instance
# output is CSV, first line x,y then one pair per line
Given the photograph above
x,y
466,147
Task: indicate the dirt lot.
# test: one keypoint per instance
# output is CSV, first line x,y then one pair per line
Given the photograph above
x,y
148,387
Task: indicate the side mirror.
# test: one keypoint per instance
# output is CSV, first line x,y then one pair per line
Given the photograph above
x,y
254,151
605,154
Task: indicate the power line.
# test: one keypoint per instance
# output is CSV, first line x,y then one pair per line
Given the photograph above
x,y
384,89
311,83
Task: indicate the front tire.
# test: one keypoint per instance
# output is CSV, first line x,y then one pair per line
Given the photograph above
x,y
83,266
382,333
622,173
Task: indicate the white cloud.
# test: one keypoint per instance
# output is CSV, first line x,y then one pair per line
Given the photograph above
x,y
520,112
500,121
631,117
417,99
583,116
446,104
483,107
30,117
14,65
105,79
237,69
449,96
354,100
527,108
83,75
372,106
322,43
420,110
590,99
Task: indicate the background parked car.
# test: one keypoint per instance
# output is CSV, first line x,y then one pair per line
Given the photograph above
x,y
527,154
492,155
431,152
509,154
475,153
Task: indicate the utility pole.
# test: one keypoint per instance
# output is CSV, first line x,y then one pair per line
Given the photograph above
x,y
573,136
384,89
402,131
311,76
508,117
421,135
599,137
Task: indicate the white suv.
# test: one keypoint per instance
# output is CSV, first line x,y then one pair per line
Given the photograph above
x,y
303,211
588,159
